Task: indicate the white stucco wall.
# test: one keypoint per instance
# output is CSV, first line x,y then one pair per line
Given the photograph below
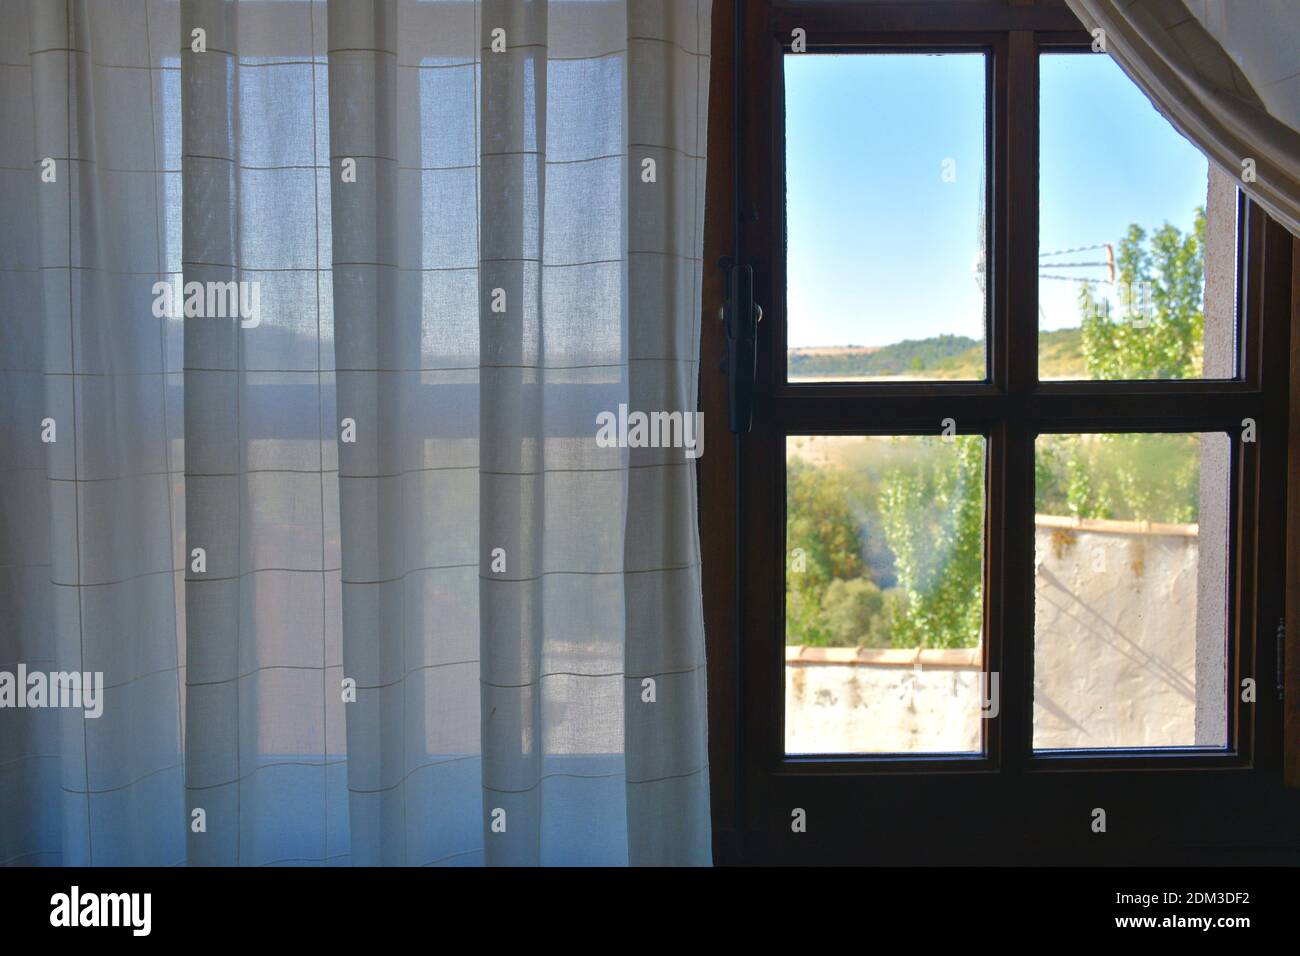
x,y
906,705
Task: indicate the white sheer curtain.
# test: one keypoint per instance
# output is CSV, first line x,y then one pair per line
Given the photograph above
x,y
1226,73
507,584
91,519
459,257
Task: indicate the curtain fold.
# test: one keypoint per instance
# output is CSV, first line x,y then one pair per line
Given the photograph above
x,y
264,712
328,300
92,538
1226,75
497,285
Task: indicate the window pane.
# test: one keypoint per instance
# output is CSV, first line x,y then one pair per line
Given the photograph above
x,y
884,596
1130,591
1137,267
885,220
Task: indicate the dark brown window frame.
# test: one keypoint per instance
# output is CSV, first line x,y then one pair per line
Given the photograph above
x,y
1010,408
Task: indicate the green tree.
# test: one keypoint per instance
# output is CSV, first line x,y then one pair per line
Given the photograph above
x,y
856,613
1156,333
933,516
1137,476
823,539
1157,329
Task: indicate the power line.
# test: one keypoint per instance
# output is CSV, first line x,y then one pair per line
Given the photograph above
x,y
1061,252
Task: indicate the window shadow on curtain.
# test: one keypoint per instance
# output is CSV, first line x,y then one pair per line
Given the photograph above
x,y
364,586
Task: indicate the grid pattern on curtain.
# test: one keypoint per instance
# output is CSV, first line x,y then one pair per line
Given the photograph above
x,y
465,230
93,515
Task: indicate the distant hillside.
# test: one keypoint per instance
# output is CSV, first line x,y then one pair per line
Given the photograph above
x,y
1060,354
944,356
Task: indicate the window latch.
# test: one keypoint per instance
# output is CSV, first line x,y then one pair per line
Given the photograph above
x,y
741,316
1281,658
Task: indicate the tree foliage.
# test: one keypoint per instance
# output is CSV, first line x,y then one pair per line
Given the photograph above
x,y
891,551
1156,333
823,542
1156,330
934,520
1133,476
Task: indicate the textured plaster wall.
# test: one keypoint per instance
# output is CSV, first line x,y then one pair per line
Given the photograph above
x,y
868,708
1219,339
1115,639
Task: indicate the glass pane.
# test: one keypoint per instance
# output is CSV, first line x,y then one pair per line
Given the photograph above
x,y
1137,266
1130,591
885,220
884,594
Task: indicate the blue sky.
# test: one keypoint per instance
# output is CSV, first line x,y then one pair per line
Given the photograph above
x,y
882,245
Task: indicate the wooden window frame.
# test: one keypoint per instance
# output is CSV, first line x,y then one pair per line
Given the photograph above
x,y
1010,409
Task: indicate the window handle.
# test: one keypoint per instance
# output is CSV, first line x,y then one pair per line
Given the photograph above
x,y
1281,658
741,316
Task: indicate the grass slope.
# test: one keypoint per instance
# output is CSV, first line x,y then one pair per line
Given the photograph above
x,y
1060,355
